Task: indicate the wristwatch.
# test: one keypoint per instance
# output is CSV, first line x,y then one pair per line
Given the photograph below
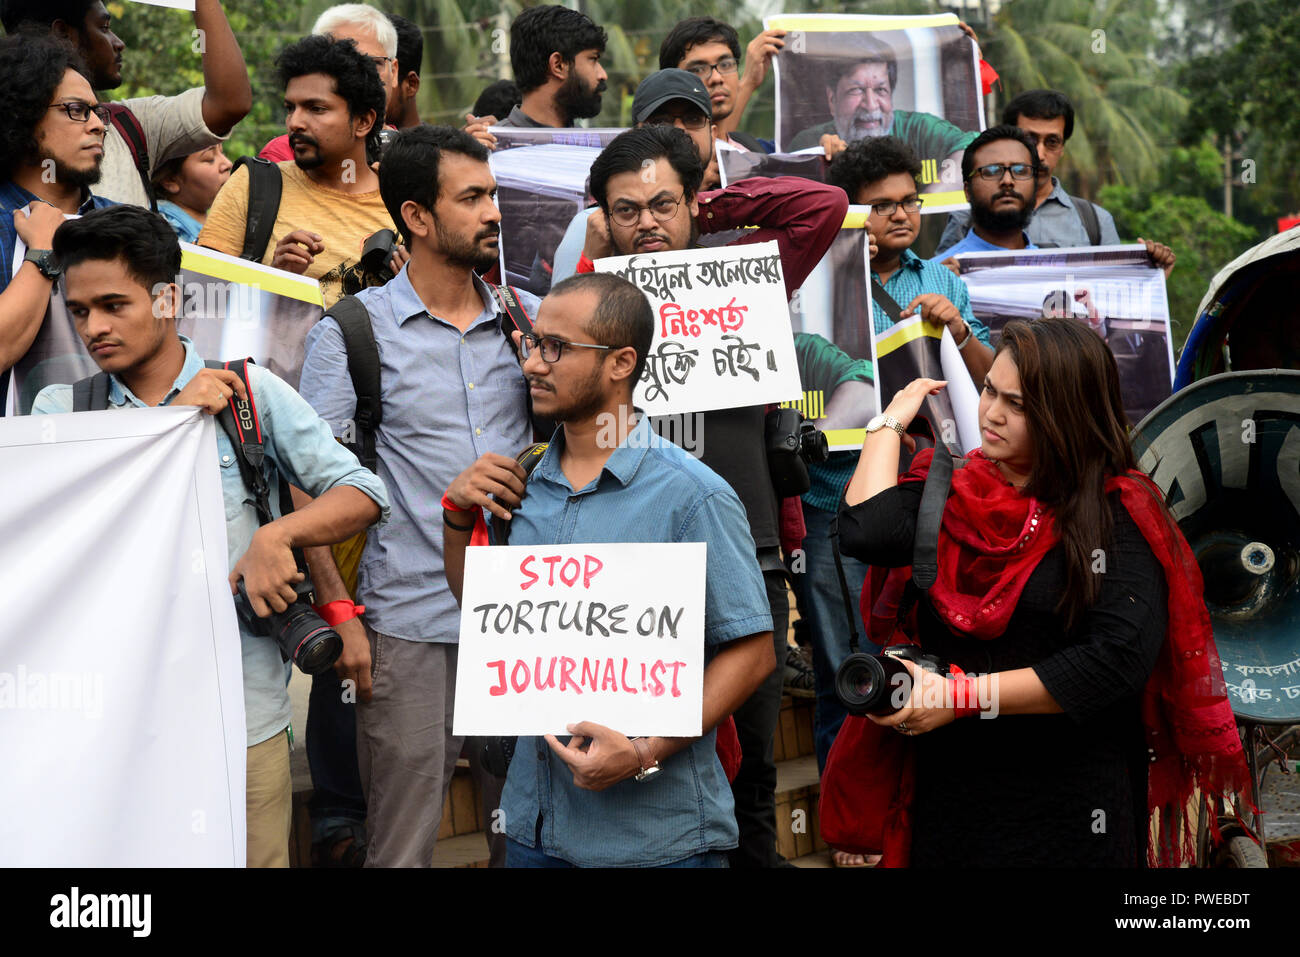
x,y
44,260
883,421
649,763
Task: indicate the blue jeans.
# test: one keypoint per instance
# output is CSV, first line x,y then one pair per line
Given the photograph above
x,y
337,798
521,855
821,604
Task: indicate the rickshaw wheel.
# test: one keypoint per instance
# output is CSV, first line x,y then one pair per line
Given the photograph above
x,y
1240,851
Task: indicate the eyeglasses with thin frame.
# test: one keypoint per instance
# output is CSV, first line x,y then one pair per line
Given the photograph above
x,y
726,66
663,209
79,110
995,171
551,347
381,61
693,120
887,208
1052,142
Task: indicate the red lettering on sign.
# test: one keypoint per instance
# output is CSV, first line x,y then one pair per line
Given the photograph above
x,y
531,575
676,666
500,687
519,684
570,580
658,687
623,679
566,674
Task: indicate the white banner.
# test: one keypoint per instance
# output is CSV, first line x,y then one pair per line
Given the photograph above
x,y
551,635
722,338
121,695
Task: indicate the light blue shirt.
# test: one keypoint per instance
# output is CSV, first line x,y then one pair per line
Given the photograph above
x,y
649,491
447,397
972,243
185,226
298,446
916,276
1056,224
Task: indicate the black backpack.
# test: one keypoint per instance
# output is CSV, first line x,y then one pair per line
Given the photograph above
x,y
264,189
363,366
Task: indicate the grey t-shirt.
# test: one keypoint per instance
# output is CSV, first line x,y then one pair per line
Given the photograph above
x,y
518,117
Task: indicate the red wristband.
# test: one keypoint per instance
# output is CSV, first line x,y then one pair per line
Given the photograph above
x,y
585,264
451,506
966,698
337,612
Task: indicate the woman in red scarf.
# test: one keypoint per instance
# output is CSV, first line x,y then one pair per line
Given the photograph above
x,y
1068,590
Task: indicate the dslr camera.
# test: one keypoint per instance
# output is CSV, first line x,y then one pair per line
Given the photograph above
x,y
880,684
302,635
372,269
793,443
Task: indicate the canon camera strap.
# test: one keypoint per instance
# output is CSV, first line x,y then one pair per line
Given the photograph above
x,y
244,429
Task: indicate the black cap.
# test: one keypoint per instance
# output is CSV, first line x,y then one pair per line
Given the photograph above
x,y
666,85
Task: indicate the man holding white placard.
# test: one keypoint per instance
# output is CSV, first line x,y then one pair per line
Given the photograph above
x,y
603,799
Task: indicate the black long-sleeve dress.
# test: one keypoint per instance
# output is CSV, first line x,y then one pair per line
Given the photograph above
x,y
1035,790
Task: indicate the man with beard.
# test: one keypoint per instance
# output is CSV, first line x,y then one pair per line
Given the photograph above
x,y
646,183
555,54
603,799
335,102
860,95
165,126
451,390
1000,170
51,148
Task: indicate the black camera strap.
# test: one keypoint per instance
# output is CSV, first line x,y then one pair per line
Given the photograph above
x,y
850,613
885,301
242,426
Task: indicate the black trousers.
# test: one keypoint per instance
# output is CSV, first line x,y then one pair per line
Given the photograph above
x,y
754,789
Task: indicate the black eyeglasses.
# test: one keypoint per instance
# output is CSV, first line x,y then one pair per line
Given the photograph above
x,y
79,111
381,61
691,121
662,209
887,209
995,171
551,347
724,66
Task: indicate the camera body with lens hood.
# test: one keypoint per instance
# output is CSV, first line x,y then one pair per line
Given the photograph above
x,y
793,443
302,634
881,684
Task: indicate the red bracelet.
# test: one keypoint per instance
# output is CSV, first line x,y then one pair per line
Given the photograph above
x,y
966,698
337,612
451,506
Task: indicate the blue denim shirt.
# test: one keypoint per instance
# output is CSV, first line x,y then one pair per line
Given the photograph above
x,y
299,447
447,397
649,491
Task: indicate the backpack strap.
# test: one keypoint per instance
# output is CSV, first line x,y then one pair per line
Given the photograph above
x,y
264,188
90,394
363,366
128,125
1088,215
934,496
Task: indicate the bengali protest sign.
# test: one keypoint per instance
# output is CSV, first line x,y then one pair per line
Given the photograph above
x,y
231,309
853,76
121,701
722,328
551,635
541,179
1114,289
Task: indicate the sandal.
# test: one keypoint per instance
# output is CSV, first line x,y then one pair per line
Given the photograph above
x,y
345,848
848,859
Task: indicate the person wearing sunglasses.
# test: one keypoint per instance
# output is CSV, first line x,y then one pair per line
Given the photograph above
x,y
1000,171
52,128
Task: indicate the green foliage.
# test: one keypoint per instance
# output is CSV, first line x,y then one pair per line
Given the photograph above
x,y
1203,239
162,57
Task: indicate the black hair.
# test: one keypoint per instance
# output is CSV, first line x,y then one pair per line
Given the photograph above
x,y
623,315
540,31
31,68
43,13
410,46
355,77
875,52
692,32
632,150
143,240
992,134
1040,105
410,167
870,160
497,100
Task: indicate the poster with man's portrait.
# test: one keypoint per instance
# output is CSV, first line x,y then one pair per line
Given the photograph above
x,y
854,76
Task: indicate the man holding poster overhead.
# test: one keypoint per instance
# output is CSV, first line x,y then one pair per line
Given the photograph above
x,y
602,799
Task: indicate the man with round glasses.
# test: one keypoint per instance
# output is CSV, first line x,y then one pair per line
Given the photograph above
x,y
52,128
1000,171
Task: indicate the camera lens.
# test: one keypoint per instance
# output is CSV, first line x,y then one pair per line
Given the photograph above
x,y
865,684
306,640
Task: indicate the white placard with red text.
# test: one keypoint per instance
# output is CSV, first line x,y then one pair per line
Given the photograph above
x,y
551,635
722,328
